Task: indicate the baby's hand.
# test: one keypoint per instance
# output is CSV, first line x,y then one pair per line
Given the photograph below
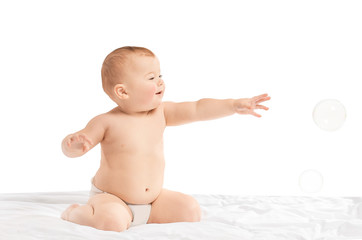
x,y
79,142
248,105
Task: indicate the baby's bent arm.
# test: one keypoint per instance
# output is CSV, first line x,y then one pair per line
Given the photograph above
x,y
204,109
77,144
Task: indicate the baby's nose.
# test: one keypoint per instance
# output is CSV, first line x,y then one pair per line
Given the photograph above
x,y
160,82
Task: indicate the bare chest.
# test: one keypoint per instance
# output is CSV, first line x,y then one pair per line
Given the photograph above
x,y
135,134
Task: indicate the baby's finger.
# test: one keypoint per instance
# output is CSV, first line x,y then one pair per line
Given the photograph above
x,y
263,99
85,147
260,96
72,139
88,140
85,139
81,138
77,138
261,107
69,142
255,114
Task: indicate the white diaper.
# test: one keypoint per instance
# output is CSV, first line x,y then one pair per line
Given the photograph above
x,y
140,212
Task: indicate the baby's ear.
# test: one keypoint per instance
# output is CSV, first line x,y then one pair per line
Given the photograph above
x,y
120,91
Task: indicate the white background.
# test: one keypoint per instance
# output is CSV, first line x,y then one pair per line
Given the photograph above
x,y
300,52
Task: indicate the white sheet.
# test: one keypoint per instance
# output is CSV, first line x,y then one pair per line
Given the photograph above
x,y
36,216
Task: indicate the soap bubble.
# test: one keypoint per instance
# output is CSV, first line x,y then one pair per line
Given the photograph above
x,y
311,181
329,114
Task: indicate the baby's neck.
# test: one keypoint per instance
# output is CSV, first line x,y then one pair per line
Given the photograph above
x,y
129,112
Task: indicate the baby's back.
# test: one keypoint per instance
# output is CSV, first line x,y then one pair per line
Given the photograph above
x,y
132,162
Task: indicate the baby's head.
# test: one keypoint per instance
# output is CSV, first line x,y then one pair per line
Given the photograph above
x,y
131,78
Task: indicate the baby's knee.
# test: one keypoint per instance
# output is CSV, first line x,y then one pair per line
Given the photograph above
x,y
192,210
112,222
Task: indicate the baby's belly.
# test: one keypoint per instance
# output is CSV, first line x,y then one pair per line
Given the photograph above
x,y
134,181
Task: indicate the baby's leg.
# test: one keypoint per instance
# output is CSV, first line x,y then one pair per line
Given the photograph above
x,y
103,211
173,206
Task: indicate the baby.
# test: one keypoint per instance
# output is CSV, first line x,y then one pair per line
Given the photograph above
x,y
127,188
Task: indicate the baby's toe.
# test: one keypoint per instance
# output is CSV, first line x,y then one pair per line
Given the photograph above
x,y
65,214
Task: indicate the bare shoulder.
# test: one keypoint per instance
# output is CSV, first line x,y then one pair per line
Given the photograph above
x,y
102,120
167,106
109,118
168,109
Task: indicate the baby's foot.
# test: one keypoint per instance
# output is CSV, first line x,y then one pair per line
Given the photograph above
x,y
65,214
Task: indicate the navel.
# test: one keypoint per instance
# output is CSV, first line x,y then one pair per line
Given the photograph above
x,y
147,189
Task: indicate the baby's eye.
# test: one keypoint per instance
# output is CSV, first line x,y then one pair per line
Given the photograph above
x,y
151,78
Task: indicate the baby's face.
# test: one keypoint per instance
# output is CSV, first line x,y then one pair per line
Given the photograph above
x,y
145,87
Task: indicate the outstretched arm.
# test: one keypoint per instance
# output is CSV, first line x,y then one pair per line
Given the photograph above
x,y
77,144
207,109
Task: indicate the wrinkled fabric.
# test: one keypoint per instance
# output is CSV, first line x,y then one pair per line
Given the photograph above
x,y
37,216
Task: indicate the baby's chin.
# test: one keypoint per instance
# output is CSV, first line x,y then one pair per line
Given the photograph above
x,y
152,107
156,106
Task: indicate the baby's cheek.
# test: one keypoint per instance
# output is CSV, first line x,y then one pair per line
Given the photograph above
x,y
153,90
149,93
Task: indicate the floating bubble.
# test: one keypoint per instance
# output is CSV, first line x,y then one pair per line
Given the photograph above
x,y
311,181
329,114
